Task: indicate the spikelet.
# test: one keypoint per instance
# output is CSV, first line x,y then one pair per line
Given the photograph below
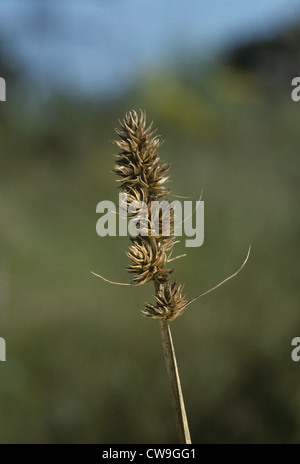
x,y
138,163
169,303
149,258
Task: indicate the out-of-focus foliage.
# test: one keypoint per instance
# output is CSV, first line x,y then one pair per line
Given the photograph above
x,y
82,364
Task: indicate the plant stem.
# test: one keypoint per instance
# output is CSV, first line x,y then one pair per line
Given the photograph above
x,y
176,392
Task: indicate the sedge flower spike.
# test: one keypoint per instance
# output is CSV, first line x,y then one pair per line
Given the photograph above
x,y
143,178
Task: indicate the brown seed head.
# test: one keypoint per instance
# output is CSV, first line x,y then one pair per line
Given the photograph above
x,y
169,303
143,178
149,258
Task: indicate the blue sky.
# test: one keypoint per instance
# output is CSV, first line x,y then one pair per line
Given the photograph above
x,y
97,46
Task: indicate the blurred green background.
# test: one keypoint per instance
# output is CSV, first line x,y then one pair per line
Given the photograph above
x,y
82,365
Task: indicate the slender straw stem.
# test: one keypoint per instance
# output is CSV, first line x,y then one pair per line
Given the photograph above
x,y
176,392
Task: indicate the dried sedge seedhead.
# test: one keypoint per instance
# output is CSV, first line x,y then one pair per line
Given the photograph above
x,y
143,178
169,303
